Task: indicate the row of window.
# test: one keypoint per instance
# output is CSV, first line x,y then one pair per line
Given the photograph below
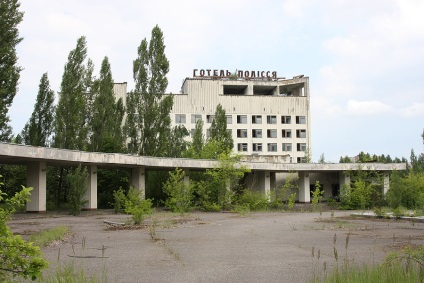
x,y
271,147
241,119
270,133
257,133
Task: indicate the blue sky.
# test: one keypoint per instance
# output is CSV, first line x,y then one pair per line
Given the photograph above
x,y
365,59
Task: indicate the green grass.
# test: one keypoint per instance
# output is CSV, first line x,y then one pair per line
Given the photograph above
x,y
70,274
45,237
394,272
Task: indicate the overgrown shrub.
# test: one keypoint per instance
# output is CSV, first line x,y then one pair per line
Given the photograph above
x,y
78,183
180,195
406,191
18,257
256,201
119,200
316,196
284,194
137,206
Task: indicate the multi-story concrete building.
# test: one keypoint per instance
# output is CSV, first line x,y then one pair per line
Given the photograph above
x,y
267,115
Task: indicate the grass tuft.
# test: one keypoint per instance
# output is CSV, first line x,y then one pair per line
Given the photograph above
x,y
45,237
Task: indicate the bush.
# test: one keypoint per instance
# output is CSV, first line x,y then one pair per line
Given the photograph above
x,y
78,183
137,206
120,198
18,257
180,196
316,196
406,191
255,200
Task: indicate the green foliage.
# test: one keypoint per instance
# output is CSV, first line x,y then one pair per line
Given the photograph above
x,y
254,201
107,114
109,180
71,112
10,18
291,201
45,237
17,257
78,184
39,128
316,196
206,197
407,191
119,200
137,206
364,191
148,122
399,211
219,131
284,193
223,180
177,143
180,195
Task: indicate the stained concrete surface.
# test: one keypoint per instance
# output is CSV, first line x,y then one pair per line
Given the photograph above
x,y
219,247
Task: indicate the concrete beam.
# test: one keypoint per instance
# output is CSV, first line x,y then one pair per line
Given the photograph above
x,y
91,193
304,187
36,178
138,180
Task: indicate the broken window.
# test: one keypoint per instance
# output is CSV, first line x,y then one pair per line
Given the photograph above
x,y
241,119
300,133
257,133
272,147
287,147
257,119
195,118
242,133
257,147
180,118
285,119
271,119
286,133
242,146
300,120
271,133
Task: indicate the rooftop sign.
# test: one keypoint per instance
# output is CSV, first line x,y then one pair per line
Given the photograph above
x,y
218,74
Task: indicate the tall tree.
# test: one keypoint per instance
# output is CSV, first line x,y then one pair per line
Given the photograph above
x,y
71,112
148,121
10,17
39,128
106,130
219,131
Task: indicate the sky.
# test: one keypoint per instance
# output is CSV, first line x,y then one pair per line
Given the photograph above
x,y
364,58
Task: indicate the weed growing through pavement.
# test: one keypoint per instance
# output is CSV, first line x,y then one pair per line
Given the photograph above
x,y
406,265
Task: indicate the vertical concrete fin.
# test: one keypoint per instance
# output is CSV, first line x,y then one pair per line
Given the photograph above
x,y
91,193
304,187
138,180
36,178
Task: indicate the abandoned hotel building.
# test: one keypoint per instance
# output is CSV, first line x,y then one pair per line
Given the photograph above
x,y
268,117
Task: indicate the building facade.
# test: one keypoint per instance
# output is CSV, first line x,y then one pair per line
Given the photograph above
x,y
267,116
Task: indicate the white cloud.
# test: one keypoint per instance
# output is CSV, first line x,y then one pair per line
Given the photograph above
x,y
415,110
371,107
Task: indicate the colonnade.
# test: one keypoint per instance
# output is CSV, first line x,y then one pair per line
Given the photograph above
x,y
261,181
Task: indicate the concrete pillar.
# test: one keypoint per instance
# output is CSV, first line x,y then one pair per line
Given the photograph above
x,y
304,188
187,177
386,184
36,178
344,179
91,193
138,179
267,184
